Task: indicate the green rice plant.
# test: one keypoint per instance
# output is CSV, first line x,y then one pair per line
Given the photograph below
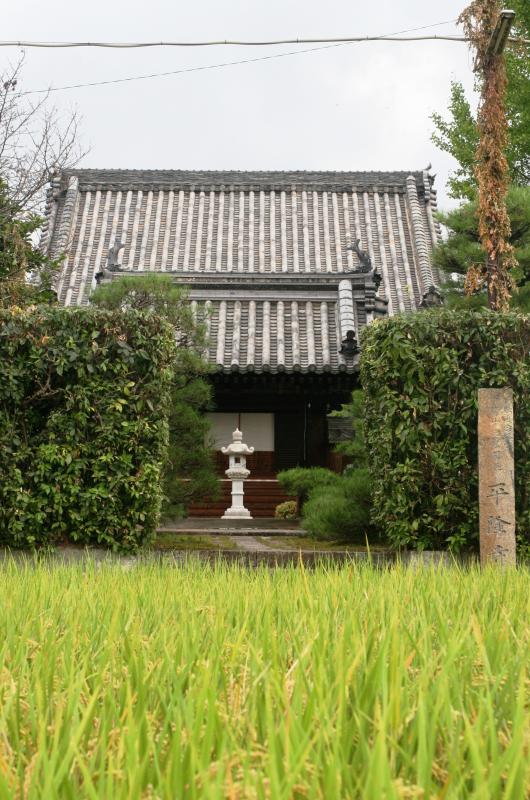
x,y
220,682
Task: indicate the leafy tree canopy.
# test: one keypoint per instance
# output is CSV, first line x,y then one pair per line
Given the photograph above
x,y
19,258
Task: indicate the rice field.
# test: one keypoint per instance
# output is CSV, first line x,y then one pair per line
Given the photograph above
x,y
220,682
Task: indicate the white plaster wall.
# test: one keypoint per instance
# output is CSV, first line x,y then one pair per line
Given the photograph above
x,y
258,429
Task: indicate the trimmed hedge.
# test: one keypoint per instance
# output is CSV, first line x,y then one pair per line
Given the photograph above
x,y
421,374
84,398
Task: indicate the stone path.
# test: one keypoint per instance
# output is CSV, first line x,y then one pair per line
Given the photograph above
x,y
250,544
263,526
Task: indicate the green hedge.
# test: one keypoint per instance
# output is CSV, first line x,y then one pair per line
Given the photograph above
x,y
84,399
420,374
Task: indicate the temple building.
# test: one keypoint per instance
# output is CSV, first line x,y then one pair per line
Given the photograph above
x,y
285,267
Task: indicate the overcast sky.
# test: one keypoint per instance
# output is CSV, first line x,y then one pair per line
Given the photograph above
x,y
355,107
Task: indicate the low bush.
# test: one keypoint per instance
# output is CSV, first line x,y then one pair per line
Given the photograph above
x,y
84,402
300,481
420,375
287,510
341,510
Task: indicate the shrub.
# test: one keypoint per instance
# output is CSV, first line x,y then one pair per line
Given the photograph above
x,y
287,510
84,398
301,480
340,510
421,374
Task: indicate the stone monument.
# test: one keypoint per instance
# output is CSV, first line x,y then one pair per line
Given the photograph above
x,y
496,476
237,471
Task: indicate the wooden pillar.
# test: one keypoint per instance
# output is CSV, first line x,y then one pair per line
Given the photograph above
x,y
496,476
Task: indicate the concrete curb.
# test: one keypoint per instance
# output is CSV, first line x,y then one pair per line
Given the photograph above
x,y
251,558
98,556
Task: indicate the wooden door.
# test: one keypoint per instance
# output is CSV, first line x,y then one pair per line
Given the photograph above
x,y
289,433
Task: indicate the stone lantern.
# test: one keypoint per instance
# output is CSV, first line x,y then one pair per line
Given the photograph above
x,y
237,471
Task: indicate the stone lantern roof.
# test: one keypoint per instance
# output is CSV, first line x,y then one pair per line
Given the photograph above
x,y
237,447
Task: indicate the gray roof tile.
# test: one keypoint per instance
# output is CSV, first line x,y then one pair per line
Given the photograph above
x,y
280,226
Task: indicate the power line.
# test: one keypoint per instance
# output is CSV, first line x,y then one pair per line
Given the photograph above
x,y
250,43
181,71
339,43
199,69
234,42
237,42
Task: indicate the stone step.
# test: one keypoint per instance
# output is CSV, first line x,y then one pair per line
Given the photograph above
x,y
261,498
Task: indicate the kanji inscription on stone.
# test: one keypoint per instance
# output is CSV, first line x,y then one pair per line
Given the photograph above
x,y
496,476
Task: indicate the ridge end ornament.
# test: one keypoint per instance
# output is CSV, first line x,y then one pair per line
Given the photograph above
x,y
365,262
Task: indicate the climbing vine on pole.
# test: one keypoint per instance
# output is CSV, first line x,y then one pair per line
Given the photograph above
x,y
479,20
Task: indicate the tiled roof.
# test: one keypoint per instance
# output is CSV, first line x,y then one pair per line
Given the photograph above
x,y
224,232
273,336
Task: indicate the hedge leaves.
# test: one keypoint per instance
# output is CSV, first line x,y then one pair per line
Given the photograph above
x,y
84,397
421,374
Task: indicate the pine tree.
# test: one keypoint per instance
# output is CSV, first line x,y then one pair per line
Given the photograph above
x,y
462,247
189,471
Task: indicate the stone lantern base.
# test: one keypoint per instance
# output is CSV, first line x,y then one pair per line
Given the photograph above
x,y
237,510
237,513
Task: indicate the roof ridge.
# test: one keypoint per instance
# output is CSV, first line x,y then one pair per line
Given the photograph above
x,y
175,171
242,171
284,178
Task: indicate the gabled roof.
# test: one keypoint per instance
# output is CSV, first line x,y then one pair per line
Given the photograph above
x,y
266,250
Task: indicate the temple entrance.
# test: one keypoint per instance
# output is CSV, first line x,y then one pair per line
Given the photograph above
x,y
284,417
282,439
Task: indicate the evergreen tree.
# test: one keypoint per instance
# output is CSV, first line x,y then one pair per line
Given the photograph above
x,y
462,247
189,473
355,447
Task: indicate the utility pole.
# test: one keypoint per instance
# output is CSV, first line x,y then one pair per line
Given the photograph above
x,y
500,34
488,28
